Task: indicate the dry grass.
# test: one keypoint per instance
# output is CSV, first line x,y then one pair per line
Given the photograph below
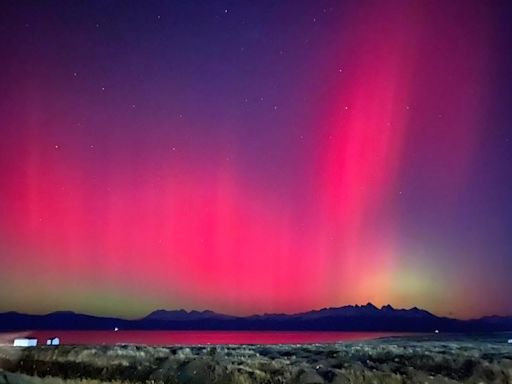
x,y
395,362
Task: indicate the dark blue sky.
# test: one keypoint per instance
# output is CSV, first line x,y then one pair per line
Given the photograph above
x,y
255,156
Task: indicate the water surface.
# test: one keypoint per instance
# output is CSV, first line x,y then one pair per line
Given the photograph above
x,y
197,337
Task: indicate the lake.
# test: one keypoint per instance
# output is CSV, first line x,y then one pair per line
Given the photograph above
x,y
194,337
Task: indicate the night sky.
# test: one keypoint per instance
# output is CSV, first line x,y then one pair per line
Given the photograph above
x,y
259,156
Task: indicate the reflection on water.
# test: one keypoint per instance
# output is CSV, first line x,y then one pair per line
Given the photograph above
x,y
196,337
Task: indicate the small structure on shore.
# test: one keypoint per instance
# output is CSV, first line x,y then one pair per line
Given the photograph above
x,y
53,341
25,342
509,341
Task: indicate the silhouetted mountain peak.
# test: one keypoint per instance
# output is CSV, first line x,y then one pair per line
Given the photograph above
x,y
181,315
347,318
65,313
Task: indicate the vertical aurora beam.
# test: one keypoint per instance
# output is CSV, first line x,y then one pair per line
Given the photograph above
x,y
297,163
374,131
364,144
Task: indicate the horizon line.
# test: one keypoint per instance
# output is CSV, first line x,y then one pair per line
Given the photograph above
x,y
254,314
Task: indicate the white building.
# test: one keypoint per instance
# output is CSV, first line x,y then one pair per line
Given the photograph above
x,y
53,341
25,342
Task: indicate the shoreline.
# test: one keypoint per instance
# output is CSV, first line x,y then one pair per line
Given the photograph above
x,y
181,337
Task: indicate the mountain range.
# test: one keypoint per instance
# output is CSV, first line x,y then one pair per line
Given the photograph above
x,y
347,318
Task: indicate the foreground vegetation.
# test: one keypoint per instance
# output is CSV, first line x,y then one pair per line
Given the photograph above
x,y
387,361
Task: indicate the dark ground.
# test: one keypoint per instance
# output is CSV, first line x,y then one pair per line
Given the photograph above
x,y
420,359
